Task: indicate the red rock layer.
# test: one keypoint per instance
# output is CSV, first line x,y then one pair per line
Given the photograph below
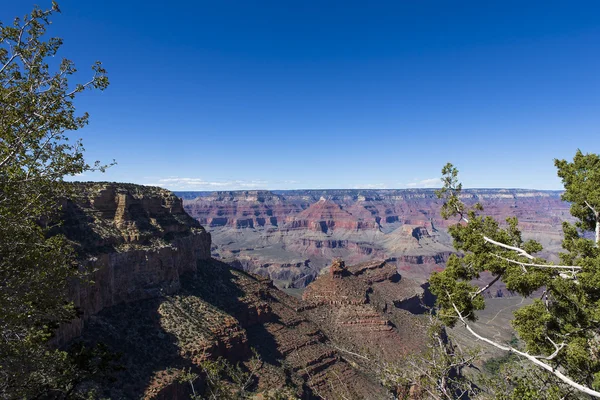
x,y
368,209
315,226
247,209
326,215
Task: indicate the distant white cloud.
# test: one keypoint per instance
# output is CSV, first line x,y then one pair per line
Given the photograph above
x,y
179,183
425,183
370,186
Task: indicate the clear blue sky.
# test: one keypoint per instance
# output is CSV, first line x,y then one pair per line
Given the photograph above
x,y
209,95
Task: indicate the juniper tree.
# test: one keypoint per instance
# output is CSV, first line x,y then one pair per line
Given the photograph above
x,y
561,328
37,113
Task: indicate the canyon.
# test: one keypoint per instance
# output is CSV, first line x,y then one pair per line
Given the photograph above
x,y
176,282
292,236
158,298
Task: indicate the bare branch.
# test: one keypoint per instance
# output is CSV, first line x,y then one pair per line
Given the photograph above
x,y
531,358
486,287
569,267
591,208
558,348
517,249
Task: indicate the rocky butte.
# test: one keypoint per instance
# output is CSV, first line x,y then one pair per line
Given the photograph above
x,y
168,307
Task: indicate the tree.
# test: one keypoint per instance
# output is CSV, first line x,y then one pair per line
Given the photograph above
x,y
37,112
561,328
582,183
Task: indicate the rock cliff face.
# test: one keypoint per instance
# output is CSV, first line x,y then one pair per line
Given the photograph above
x,y
161,300
326,215
309,228
244,209
137,240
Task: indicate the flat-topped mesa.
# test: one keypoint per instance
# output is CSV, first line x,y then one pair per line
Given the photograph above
x,y
244,209
418,232
138,241
326,215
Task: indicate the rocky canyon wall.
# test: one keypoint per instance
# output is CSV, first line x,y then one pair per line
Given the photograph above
x,y
137,241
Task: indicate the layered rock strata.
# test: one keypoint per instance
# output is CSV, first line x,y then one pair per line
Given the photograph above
x,y
306,229
223,312
369,311
137,242
158,299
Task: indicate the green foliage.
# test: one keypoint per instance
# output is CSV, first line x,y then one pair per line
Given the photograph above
x,y
581,179
494,365
224,380
516,380
564,323
36,113
452,286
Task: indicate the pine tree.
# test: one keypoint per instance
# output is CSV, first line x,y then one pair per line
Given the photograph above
x,y
561,329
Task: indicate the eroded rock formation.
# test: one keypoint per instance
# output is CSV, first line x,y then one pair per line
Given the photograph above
x,y
138,241
362,309
312,227
160,301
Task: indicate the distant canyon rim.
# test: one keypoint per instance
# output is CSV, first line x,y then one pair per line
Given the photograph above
x,y
292,236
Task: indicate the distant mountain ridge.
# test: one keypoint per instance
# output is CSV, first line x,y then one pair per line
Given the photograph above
x,y
291,235
190,194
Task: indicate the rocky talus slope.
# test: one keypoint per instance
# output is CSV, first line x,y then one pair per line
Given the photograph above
x,y
168,308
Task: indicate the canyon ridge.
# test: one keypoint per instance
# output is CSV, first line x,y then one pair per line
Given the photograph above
x,y
291,236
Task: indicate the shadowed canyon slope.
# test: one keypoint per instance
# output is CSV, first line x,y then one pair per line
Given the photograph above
x,y
292,235
161,301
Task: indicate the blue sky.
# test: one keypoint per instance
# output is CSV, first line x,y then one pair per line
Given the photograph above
x,y
226,95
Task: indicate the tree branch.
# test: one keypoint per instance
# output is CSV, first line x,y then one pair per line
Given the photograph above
x,y
517,249
486,287
558,348
570,267
531,358
591,208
